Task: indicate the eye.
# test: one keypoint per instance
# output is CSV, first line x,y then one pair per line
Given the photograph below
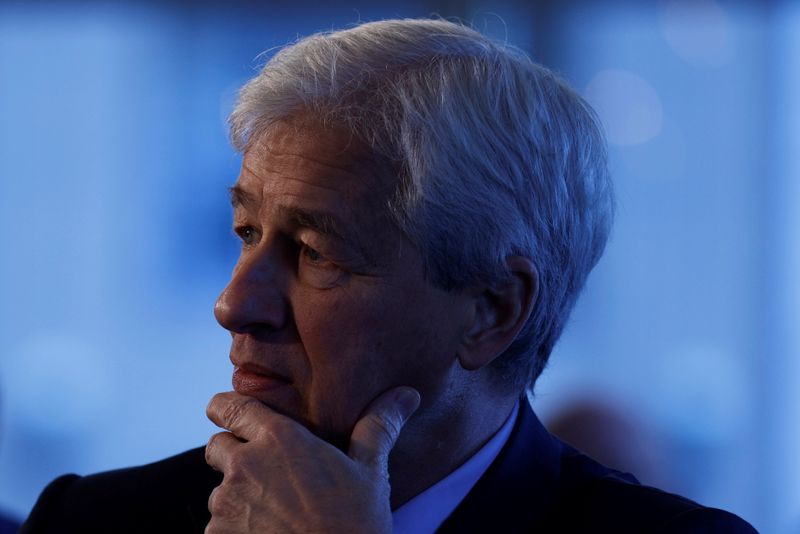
x,y
247,234
312,255
318,271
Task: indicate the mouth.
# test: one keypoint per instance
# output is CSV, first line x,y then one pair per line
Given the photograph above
x,y
255,381
272,385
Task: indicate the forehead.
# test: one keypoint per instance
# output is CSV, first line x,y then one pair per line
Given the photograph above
x,y
301,165
324,161
317,144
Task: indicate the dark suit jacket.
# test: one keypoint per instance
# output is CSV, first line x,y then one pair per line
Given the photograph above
x,y
8,525
537,484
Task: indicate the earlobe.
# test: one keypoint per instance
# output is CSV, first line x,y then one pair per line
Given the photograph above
x,y
500,312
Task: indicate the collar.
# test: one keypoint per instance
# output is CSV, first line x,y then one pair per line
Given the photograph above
x,y
519,487
429,509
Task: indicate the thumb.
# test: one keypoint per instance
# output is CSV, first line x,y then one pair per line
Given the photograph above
x,y
376,432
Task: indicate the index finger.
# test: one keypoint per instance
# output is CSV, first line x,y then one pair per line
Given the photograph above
x,y
244,416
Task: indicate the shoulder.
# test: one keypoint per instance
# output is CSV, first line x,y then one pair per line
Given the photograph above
x,y
593,496
540,484
172,493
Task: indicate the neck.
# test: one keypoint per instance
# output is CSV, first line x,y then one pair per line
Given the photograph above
x,y
440,438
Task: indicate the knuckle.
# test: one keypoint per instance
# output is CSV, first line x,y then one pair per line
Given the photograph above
x,y
215,526
212,499
213,442
215,401
209,451
234,410
223,503
212,447
238,468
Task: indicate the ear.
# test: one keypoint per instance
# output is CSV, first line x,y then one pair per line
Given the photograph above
x,y
499,314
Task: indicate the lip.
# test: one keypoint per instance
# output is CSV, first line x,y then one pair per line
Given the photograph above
x,y
249,378
274,391
250,368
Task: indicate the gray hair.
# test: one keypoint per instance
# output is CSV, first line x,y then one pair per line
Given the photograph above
x,y
496,156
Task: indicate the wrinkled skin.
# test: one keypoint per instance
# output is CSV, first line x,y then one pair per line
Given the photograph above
x,y
330,313
322,326
312,486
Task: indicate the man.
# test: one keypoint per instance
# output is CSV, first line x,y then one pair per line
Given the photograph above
x,y
418,208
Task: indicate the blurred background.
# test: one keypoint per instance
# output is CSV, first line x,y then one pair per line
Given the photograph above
x,y
680,362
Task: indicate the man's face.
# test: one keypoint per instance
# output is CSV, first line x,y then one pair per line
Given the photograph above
x,y
327,304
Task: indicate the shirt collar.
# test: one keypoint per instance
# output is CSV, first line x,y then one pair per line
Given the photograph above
x,y
425,512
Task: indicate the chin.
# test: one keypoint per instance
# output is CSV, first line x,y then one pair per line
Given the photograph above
x,y
276,394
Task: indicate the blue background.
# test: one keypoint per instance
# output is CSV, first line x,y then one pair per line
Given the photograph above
x,y
114,226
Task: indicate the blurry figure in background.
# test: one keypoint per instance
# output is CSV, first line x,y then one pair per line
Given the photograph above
x,y
419,208
612,437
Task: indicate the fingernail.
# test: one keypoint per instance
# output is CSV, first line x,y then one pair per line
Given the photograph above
x,y
407,401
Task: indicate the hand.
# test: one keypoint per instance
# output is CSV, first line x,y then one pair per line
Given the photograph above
x,y
279,477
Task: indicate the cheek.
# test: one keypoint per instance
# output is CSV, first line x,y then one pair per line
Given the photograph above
x,y
343,337
377,331
360,343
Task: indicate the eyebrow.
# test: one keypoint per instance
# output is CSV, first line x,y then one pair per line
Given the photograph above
x,y
320,222
240,197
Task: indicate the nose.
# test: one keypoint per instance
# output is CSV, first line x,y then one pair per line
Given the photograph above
x,y
254,298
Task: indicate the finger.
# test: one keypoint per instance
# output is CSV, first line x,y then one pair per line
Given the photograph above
x,y
218,450
376,432
244,416
226,508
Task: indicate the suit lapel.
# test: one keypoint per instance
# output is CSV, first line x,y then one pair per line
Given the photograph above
x,y
519,488
200,481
